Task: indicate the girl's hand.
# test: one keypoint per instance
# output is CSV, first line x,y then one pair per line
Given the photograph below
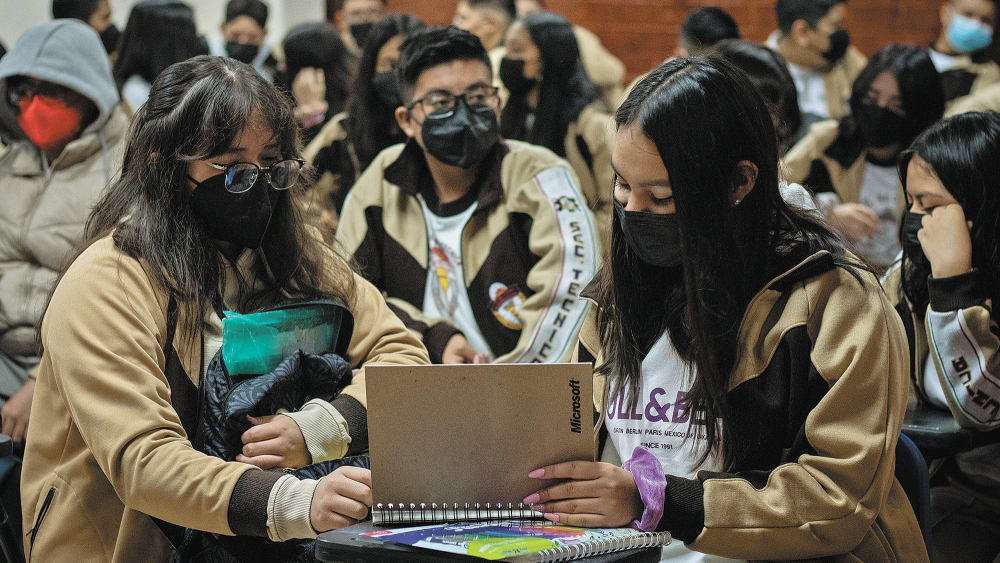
x,y
274,441
342,498
598,495
854,221
459,351
309,87
946,241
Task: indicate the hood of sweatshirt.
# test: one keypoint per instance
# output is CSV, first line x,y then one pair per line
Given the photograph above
x,y
68,53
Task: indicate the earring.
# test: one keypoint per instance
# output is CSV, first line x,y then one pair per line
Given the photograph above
x,y
737,202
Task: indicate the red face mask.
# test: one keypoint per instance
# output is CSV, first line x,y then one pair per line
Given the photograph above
x,y
48,122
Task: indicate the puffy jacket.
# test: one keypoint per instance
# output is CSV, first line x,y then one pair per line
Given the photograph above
x,y
47,203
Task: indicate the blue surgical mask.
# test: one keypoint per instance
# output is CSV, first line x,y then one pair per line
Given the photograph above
x,y
968,35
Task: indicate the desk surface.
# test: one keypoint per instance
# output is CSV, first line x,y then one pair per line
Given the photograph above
x,y
937,434
347,545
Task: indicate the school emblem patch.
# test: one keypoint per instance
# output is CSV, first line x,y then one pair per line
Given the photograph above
x,y
506,303
564,203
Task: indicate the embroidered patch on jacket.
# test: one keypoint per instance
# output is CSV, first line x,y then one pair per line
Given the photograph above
x,y
564,203
506,303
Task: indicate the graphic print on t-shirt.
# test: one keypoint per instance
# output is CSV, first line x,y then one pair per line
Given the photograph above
x,y
658,419
445,263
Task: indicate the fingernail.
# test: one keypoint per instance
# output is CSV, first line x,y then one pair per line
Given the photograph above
x,y
531,499
551,516
536,473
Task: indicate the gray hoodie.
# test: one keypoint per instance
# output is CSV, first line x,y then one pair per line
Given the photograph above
x,y
45,204
68,53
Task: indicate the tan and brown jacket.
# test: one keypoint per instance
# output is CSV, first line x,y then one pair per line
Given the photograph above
x,y
819,393
109,446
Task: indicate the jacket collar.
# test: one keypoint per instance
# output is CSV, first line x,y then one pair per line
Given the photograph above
x,y
410,172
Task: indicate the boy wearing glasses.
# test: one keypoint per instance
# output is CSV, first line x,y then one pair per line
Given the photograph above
x,y
480,245
70,136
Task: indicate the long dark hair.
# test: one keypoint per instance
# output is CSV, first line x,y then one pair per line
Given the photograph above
x,y
919,87
768,72
729,252
565,89
318,45
196,109
371,123
158,34
962,152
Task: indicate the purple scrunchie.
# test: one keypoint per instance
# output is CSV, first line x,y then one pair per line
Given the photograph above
x,y
652,485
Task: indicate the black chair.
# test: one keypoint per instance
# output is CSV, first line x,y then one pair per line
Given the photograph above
x,y
912,474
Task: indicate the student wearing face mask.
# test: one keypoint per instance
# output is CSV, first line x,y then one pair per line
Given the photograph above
x,y
204,220
813,39
68,147
351,140
481,245
488,20
243,36
95,13
355,20
850,163
959,51
749,371
552,104
945,289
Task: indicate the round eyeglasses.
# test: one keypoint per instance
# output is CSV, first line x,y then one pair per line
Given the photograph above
x,y
240,176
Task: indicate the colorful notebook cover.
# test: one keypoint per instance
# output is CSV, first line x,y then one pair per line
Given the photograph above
x,y
522,540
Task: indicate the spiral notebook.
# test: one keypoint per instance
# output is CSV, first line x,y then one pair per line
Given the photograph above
x,y
456,443
522,541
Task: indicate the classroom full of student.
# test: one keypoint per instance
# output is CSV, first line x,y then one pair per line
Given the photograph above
x,y
767,249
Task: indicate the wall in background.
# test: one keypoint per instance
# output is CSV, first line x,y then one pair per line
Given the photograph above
x,y
644,32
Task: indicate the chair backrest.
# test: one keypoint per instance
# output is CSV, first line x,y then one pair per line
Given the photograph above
x,y
912,474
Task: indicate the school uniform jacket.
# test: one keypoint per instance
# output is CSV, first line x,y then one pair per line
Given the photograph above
x,y
588,144
822,165
114,412
967,77
820,389
987,99
527,251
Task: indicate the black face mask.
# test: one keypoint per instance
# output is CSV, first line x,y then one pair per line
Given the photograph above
x,y
512,76
912,223
109,38
879,126
361,31
839,41
387,88
239,219
654,237
462,139
243,52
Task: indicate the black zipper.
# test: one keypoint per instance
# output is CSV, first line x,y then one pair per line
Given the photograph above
x,y
38,521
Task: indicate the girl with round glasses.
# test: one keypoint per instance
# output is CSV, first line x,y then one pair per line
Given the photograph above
x,y
204,218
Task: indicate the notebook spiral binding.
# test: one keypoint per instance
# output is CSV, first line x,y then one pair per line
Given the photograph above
x,y
422,514
576,551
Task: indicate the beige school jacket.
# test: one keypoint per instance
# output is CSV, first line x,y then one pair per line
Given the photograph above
x,y
107,449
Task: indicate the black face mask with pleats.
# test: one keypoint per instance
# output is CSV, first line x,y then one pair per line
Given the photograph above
x,y
654,237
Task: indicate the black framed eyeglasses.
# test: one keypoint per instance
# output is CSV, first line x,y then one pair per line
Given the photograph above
x,y
240,176
441,103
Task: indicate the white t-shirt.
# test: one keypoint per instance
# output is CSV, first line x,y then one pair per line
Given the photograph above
x,y
880,192
811,89
658,423
445,296
942,62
